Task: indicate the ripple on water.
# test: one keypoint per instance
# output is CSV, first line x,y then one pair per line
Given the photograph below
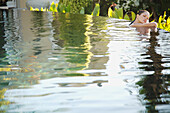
x,y
79,63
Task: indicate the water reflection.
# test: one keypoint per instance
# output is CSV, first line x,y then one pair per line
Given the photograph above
x,y
153,86
72,63
57,46
147,62
74,37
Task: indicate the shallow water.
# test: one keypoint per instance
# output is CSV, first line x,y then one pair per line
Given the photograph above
x,y
72,63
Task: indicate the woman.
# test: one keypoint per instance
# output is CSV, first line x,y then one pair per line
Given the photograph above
x,y
141,23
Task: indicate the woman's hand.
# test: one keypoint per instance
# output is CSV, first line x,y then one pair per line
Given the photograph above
x,y
154,24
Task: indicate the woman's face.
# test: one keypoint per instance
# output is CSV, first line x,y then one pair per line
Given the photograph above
x,y
144,17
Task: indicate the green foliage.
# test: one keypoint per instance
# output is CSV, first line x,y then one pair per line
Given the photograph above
x,y
61,8
75,5
133,15
96,10
118,13
68,8
126,17
53,7
58,7
82,10
110,12
164,23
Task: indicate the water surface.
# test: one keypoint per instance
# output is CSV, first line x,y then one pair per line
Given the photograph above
x,y
74,63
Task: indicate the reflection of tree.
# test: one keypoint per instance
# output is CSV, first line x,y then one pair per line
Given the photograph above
x,y
73,36
152,85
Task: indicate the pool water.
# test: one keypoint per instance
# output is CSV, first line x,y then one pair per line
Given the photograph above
x,y
72,63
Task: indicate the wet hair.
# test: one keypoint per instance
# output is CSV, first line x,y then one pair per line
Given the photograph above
x,y
139,13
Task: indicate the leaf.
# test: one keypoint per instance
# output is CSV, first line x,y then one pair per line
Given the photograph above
x,y
153,21
43,9
120,13
56,5
61,8
126,17
110,12
31,9
164,25
82,10
67,9
58,8
96,10
115,13
160,19
164,16
133,15
52,7
151,15
159,22
64,9
36,9
168,21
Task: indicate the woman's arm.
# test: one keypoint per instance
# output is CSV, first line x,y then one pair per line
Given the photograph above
x,y
152,24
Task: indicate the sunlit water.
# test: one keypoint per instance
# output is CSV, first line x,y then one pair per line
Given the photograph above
x,y
71,63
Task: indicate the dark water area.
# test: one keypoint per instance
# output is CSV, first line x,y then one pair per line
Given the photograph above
x,y
74,63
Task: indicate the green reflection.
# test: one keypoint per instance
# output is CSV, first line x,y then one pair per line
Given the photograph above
x,y
153,86
3,102
73,36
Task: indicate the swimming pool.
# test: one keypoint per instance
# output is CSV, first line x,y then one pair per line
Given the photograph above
x,y
74,63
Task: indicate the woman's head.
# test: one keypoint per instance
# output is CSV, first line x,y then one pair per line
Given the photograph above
x,y
142,16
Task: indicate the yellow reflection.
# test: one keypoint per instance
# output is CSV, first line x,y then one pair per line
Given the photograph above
x,y
2,101
87,43
76,38
17,69
2,93
10,78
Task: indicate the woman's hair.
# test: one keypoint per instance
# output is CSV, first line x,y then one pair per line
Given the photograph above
x,y
139,13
